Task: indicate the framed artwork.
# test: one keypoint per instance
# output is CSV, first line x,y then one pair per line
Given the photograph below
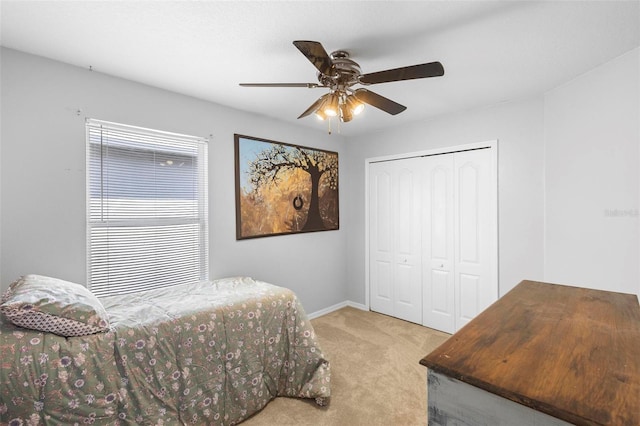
x,y
284,189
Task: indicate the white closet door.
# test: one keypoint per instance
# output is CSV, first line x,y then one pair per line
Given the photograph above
x,y
433,239
395,240
475,233
408,264
381,226
438,243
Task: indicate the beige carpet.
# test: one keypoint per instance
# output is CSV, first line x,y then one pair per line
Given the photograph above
x,y
375,373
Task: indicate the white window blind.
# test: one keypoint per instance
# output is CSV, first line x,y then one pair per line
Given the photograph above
x,y
146,208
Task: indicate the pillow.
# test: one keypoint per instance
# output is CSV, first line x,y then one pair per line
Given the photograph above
x,y
52,305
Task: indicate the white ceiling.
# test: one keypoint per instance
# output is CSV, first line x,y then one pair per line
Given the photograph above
x,y
492,51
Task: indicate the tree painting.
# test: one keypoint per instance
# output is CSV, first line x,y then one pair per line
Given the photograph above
x,y
284,189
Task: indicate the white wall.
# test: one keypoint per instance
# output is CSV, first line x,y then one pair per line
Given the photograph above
x,y
43,177
518,128
592,141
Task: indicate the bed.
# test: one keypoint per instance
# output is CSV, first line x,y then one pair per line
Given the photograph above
x,y
211,352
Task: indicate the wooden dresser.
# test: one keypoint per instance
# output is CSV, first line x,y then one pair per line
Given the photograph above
x,y
544,354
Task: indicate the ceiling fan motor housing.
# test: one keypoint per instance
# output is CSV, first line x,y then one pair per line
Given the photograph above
x,y
345,72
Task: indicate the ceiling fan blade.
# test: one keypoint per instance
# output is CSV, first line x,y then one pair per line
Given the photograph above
x,y
316,54
314,106
431,69
379,101
308,85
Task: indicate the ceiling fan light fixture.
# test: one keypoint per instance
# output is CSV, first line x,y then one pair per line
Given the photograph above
x,y
355,106
331,107
319,106
346,114
321,115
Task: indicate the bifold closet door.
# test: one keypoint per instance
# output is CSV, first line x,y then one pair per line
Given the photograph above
x,y
395,239
459,196
475,233
433,237
438,297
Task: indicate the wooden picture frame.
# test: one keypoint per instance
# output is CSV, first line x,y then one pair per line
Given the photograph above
x,y
283,188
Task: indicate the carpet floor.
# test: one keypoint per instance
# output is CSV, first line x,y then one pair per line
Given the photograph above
x,y
376,378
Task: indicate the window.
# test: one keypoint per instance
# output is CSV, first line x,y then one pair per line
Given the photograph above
x,y
146,208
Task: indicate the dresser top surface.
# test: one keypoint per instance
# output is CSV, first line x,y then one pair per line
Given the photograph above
x,y
571,352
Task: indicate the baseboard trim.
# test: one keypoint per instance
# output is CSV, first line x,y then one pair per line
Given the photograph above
x,y
337,306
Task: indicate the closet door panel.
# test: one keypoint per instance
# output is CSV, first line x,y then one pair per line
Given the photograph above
x,y
468,212
381,238
408,282
440,209
475,234
468,302
383,280
437,240
439,297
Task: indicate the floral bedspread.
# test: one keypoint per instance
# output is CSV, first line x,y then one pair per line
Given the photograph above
x,y
205,353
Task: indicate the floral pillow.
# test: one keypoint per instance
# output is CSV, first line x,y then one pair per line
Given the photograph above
x,y
52,305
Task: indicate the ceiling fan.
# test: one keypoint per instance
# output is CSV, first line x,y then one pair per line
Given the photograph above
x,y
339,74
